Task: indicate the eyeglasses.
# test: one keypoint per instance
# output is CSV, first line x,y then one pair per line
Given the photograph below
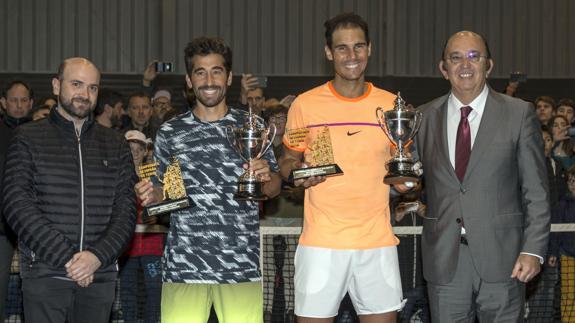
x,y
472,56
571,180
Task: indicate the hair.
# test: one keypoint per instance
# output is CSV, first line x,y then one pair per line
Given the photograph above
x,y
204,46
566,102
106,96
547,99
344,20
274,110
567,144
139,94
18,82
43,100
571,171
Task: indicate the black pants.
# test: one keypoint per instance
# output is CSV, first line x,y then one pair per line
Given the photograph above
x,y
52,300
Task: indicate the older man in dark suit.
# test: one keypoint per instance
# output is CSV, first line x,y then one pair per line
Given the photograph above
x,y
487,223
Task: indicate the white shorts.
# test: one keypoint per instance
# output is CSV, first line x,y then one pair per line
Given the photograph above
x,y
323,276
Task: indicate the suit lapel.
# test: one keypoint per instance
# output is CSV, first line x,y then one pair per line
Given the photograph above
x,y
444,145
490,122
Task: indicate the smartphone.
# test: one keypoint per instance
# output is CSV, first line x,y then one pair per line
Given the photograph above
x,y
262,81
571,132
518,77
162,67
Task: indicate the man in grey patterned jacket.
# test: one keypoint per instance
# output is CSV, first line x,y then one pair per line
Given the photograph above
x,y
212,249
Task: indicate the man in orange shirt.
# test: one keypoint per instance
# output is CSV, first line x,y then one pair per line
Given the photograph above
x,y
347,244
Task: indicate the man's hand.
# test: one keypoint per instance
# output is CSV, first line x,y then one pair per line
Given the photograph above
x,y
306,182
248,83
147,193
86,282
82,265
552,261
261,168
561,134
404,188
150,74
526,267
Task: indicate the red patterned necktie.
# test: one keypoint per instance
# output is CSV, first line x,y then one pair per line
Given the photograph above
x,y
463,144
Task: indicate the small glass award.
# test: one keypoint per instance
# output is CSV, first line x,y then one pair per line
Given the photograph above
x,y
319,159
174,190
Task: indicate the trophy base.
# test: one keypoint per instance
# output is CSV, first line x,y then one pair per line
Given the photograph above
x,y
167,206
323,170
250,191
400,172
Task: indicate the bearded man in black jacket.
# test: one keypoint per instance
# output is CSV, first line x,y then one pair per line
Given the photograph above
x,y
17,100
68,195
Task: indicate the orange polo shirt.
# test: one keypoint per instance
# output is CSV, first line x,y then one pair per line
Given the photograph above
x,y
349,211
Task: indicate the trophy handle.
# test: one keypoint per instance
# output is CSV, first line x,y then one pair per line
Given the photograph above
x,y
380,116
270,141
417,121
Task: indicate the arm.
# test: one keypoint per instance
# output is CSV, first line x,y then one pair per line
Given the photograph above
x,y
21,211
535,192
123,218
150,75
248,83
271,181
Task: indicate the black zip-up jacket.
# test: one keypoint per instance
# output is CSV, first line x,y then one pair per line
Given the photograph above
x,y
64,193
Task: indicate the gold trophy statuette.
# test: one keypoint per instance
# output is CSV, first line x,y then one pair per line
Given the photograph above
x,y
320,159
174,190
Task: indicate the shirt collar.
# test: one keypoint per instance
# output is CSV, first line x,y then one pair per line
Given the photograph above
x,y
478,104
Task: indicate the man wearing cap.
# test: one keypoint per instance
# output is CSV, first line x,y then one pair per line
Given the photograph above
x,y
144,253
161,104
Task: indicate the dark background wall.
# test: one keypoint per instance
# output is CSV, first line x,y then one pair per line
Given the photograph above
x,y
284,37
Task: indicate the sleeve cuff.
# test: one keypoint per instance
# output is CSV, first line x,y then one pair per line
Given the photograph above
x,y
541,260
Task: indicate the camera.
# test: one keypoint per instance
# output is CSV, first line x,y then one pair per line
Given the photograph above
x,y
262,81
162,67
517,77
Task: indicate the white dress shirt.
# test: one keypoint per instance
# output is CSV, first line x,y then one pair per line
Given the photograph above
x,y
454,116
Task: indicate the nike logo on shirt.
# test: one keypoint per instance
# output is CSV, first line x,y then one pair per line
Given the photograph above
x,y
352,133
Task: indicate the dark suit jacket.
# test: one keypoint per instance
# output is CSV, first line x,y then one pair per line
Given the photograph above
x,y
503,199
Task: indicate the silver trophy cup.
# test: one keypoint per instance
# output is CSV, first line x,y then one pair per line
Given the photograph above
x,y
400,125
250,142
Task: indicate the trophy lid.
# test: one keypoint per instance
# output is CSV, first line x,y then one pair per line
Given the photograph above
x,y
399,103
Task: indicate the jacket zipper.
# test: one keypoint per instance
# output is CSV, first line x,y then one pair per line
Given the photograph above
x,y
81,191
33,254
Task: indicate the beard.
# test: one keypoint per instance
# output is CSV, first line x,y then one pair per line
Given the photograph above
x,y
81,110
210,102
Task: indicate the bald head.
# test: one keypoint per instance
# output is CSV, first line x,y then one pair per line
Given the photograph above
x,y
76,62
77,87
464,34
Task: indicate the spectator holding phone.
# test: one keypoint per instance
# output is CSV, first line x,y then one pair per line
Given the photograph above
x,y
252,92
563,147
